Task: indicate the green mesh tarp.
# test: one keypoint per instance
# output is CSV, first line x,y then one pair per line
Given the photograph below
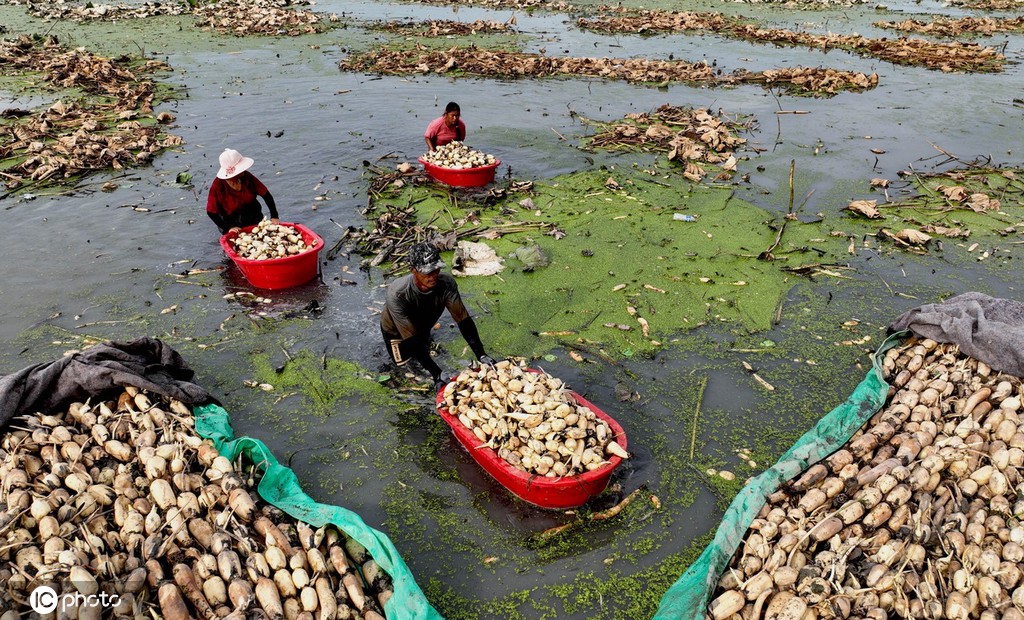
x,y
280,487
688,596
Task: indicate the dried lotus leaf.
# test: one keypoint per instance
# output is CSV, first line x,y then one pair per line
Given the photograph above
x,y
867,208
913,237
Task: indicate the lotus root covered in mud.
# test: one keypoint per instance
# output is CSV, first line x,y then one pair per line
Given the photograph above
x,y
530,419
457,156
916,516
269,240
123,496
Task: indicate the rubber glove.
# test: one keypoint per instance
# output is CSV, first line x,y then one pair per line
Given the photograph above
x,y
441,381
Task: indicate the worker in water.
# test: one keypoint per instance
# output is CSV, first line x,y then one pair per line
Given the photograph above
x,y
414,304
447,128
232,203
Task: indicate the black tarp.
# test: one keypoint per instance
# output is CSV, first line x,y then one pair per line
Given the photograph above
x,y
989,329
146,363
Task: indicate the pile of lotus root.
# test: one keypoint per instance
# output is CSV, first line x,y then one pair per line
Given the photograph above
x,y
268,240
531,420
122,502
916,516
457,156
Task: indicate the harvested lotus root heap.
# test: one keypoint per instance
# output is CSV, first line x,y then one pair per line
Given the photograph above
x,y
270,240
917,516
531,420
123,499
458,156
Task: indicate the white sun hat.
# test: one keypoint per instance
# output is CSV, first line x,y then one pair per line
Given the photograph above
x,y
233,164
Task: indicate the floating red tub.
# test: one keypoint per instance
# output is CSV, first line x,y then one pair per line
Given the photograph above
x,y
466,177
274,273
566,492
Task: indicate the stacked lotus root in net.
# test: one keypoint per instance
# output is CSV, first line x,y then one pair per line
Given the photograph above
x,y
270,240
124,499
917,516
458,156
531,420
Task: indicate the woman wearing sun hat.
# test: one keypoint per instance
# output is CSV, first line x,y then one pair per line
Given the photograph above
x,y
232,201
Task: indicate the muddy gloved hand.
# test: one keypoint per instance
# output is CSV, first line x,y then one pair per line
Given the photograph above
x,y
441,380
487,359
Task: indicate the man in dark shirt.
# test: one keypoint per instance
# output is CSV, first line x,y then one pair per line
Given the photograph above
x,y
414,304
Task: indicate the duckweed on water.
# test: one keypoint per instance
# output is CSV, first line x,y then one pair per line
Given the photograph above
x,y
425,451
326,383
426,35
679,275
623,596
511,606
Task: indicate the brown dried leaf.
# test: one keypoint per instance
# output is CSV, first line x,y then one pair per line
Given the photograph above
x,y
658,132
912,236
693,172
956,193
951,233
865,208
980,203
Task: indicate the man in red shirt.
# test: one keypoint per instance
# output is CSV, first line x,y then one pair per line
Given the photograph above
x,y
232,202
446,129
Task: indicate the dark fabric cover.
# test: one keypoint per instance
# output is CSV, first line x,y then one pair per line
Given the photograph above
x,y
986,328
146,363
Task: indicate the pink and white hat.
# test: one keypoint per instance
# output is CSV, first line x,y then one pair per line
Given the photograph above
x,y
233,164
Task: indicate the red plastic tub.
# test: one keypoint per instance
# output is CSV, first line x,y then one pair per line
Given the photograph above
x,y
275,273
567,492
467,177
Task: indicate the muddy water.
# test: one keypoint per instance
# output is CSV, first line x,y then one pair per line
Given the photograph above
x,y
89,263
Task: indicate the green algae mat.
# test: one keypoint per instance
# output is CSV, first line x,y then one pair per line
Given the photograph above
x,y
632,261
634,258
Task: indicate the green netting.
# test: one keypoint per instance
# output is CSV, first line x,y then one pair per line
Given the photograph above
x,y
280,487
688,596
